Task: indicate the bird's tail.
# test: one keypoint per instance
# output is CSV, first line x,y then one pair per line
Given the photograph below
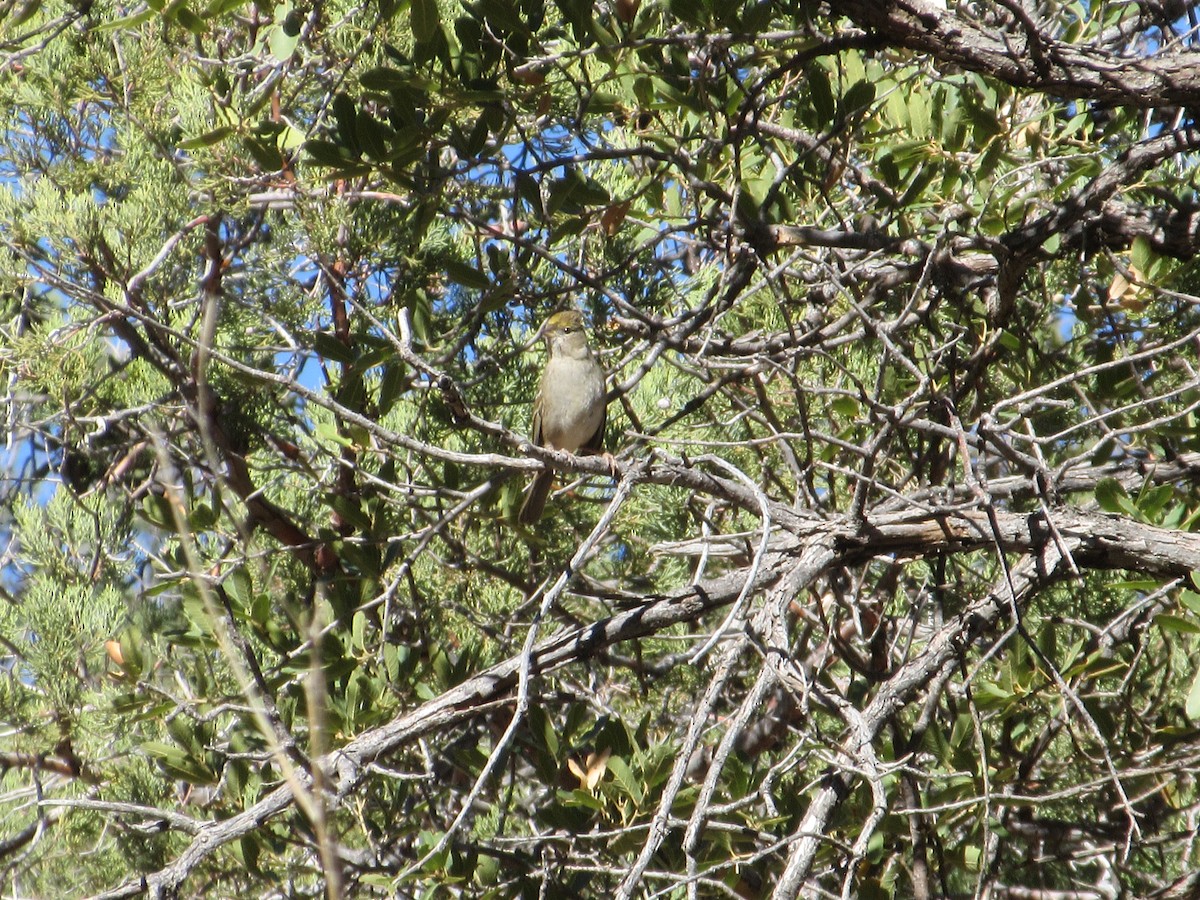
x,y
535,502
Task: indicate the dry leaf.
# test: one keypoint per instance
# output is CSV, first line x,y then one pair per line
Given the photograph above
x,y
592,771
612,217
113,649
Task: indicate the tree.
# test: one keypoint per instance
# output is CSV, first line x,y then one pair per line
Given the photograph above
x,y
890,590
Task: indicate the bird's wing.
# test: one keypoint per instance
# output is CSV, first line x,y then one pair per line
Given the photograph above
x,y
535,425
596,442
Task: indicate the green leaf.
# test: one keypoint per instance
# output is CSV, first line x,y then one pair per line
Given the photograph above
x,y
1151,501
259,610
549,735
350,508
845,407
331,347
989,695
1010,341
820,94
247,849
327,153
478,138
327,432
179,763
282,41
972,857
693,12
624,777
345,113
1192,707
221,7
358,631
207,139
918,115
25,13
392,386
372,136
265,153
385,78
189,20
1141,253
1097,664
1102,453
1190,600
157,510
133,649
425,19
240,587
201,517
467,276
1111,496
130,22
579,797
1176,624
858,98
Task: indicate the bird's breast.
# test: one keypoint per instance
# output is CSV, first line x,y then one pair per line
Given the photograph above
x,y
575,414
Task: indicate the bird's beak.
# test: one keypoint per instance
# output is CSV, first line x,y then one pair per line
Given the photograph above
x,y
537,336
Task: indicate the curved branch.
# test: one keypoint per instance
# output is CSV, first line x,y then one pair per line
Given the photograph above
x,y
977,618
1031,59
1101,541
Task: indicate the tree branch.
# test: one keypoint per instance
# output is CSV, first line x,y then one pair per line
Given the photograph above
x,y
1031,60
1092,538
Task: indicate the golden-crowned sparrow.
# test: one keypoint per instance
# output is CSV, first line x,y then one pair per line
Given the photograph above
x,y
569,412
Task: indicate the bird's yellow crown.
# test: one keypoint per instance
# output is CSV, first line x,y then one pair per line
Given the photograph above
x,y
564,321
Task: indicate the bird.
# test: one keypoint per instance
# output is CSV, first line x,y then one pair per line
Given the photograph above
x,y
570,410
